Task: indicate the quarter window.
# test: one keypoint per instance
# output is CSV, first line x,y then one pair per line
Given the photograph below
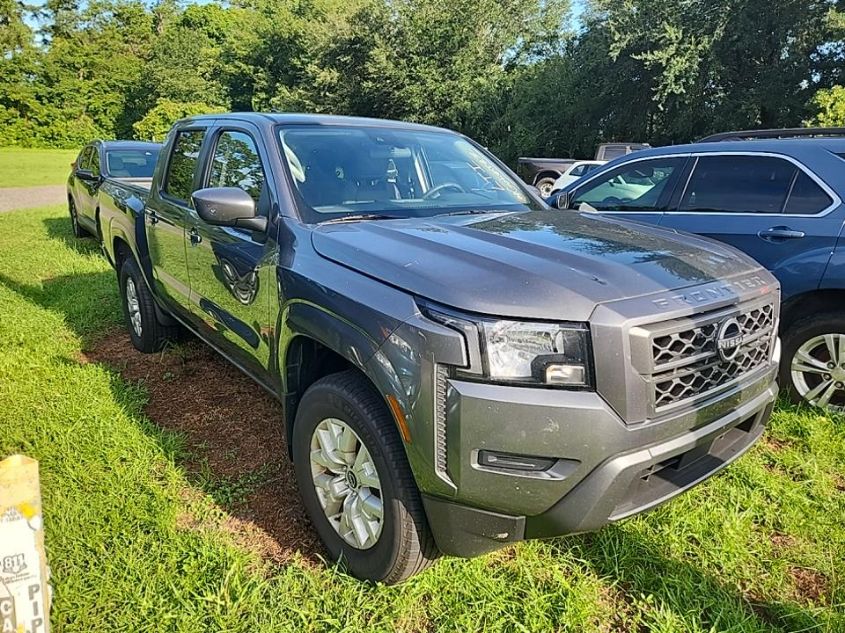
x,y
739,184
183,162
94,165
637,186
236,164
806,197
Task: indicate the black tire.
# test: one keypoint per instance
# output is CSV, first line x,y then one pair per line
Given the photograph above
x,y
154,334
75,227
796,335
405,545
545,185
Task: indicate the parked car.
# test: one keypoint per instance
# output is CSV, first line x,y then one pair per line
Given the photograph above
x,y
544,172
126,161
577,170
779,201
460,366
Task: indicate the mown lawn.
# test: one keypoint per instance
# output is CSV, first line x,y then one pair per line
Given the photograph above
x,y
135,542
23,167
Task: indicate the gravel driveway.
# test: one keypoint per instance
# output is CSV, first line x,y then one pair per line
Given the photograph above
x,y
13,198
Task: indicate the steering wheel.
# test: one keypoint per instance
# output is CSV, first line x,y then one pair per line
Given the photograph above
x,y
439,188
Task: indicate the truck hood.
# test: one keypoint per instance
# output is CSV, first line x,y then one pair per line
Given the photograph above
x,y
540,264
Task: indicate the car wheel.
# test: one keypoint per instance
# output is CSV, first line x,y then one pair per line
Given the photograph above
x,y
545,186
147,332
355,481
75,227
813,366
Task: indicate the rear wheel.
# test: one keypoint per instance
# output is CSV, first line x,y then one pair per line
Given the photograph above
x,y
813,365
545,186
75,227
355,481
147,332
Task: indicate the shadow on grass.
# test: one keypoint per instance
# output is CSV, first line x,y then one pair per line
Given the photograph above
x,y
641,568
58,228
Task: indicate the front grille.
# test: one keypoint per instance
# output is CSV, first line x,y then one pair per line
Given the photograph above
x,y
686,362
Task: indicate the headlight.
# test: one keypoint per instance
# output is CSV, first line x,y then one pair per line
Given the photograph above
x,y
544,354
539,353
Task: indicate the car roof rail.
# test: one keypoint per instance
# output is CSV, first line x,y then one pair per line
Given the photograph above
x,y
789,132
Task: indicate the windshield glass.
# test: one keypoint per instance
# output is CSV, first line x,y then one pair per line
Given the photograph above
x,y
131,163
342,171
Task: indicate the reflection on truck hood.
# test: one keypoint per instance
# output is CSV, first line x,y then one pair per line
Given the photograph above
x,y
541,265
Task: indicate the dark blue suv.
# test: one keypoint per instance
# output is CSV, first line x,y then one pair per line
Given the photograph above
x,y
780,201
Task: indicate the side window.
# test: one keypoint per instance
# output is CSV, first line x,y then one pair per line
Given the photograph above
x,y
577,171
806,197
183,162
738,184
84,159
636,186
236,164
94,165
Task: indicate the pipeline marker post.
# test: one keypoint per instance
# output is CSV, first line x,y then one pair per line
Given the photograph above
x,y
24,592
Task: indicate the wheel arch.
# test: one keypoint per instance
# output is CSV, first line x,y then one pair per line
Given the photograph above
x,y
546,173
809,303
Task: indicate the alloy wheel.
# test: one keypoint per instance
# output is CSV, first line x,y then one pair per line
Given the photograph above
x,y
133,306
818,371
347,483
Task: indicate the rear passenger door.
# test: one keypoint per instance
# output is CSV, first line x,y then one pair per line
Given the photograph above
x,y
765,205
232,269
167,214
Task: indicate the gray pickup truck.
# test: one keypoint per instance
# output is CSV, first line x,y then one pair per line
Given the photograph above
x,y
460,366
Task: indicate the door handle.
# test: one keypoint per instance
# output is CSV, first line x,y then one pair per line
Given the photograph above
x,y
779,233
152,215
196,238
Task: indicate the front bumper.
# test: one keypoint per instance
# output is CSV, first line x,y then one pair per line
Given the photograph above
x,y
605,470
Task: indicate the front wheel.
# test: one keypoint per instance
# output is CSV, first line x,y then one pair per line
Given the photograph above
x,y
813,366
75,227
355,481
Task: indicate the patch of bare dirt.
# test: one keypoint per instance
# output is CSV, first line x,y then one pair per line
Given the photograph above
x,y
234,431
810,585
782,541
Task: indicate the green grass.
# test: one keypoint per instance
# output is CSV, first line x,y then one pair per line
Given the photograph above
x,y
728,556
22,167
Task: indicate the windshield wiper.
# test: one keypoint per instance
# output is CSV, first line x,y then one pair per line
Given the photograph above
x,y
358,217
475,212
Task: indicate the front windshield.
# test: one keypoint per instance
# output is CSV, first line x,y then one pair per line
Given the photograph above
x,y
344,171
131,163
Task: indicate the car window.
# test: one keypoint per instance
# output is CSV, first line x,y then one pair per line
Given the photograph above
x,y
806,197
589,168
83,158
236,164
635,186
94,165
738,184
131,163
183,162
577,171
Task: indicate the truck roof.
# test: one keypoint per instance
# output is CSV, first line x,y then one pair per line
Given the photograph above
x,y
775,146
297,118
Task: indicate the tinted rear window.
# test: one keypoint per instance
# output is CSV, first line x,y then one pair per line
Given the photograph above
x,y
738,184
807,197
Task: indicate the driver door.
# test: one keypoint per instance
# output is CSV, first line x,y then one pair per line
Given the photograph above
x,y
637,190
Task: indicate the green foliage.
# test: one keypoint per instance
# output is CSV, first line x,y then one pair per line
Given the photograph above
x,y
512,74
829,105
156,123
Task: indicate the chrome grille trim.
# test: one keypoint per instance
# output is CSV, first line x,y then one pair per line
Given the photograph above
x,y
441,376
685,364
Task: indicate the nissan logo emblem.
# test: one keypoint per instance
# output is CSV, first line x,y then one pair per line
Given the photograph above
x,y
729,339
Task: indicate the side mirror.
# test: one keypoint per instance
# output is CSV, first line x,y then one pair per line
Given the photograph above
x,y
561,200
86,175
228,206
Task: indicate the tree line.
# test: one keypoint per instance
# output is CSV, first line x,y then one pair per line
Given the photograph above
x,y
521,76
